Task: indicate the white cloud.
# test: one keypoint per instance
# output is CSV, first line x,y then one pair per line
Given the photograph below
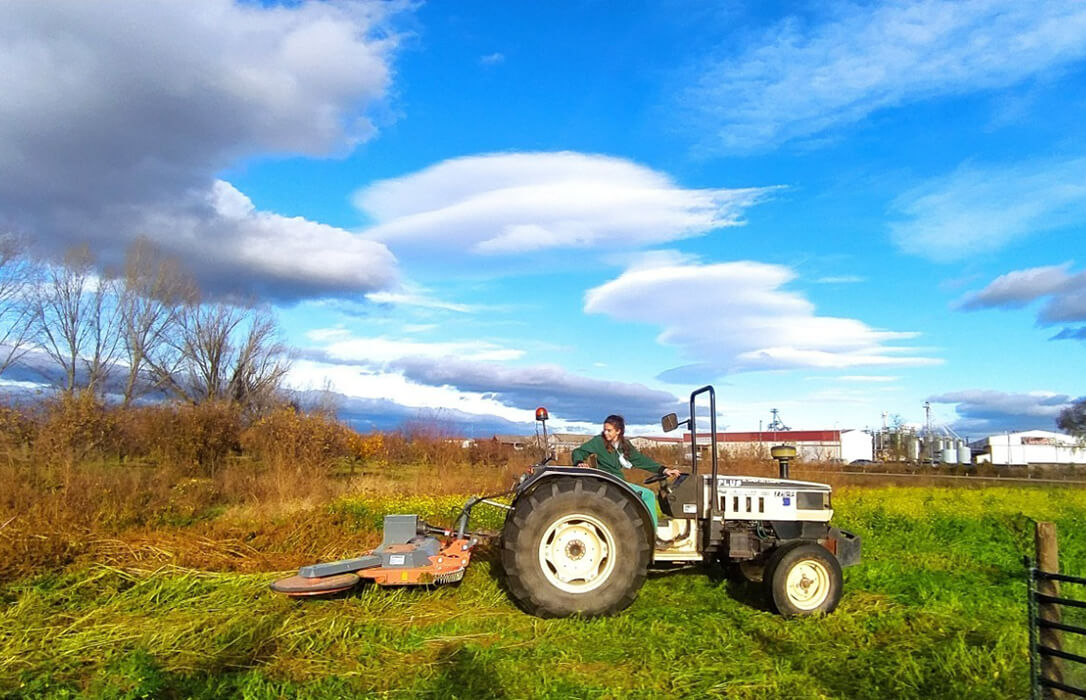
x,y
982,410
418,299
1067,307
325,335
116,129
380,385
478,376
280,256
976,210
379,350
387,414
361,368
1020,287
480,385
733,317
868,378
801,78
492,59
518,203
569,396
1064,292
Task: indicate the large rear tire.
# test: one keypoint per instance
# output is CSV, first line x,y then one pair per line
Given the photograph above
x,y
575,546
804,579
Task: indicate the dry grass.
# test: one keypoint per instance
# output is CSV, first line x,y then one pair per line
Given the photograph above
x,y
199,487
242,519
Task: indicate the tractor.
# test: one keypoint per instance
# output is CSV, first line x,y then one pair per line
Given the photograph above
x,y
578,541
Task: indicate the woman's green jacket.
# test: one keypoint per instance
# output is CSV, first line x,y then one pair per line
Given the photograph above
x,y
608,461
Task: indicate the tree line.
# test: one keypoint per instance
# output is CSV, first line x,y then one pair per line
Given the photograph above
x,y
143,330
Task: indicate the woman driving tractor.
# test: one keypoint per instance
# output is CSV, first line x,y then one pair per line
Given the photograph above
x,y
614,453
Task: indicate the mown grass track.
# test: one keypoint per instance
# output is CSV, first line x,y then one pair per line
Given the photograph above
x,y
935,611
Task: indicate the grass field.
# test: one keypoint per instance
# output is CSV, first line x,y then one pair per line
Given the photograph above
x,y
179,607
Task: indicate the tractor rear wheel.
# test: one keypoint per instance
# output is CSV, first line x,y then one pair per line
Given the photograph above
x,y
575,546
803,579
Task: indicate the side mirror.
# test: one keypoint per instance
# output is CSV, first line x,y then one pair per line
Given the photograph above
x,y
669,422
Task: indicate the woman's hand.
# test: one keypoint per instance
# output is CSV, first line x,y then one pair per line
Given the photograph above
x,y
671,472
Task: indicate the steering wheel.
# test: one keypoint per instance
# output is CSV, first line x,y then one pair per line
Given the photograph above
x,y
655,478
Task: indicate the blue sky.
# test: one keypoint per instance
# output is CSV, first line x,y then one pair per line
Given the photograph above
x,y
463,211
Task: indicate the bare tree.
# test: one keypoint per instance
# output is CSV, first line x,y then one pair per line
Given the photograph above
x,y
152,294
16,314
1072,419
226,352
260,365
76,321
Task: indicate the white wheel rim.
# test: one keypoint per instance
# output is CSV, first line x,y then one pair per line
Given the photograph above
x,y
576,553
808,584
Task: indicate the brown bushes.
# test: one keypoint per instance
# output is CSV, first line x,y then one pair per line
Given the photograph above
x,y
288,438
490,453
422,444
195,439
78,474
73,429
16,434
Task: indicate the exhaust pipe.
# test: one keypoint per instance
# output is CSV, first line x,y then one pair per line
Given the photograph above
x,y
783,454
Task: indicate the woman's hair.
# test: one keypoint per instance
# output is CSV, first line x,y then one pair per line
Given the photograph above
x,y
619,424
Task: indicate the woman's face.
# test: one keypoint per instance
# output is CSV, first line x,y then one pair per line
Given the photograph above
x,y
610,432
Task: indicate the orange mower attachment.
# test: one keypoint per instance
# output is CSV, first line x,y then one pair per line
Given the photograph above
x,y
408,556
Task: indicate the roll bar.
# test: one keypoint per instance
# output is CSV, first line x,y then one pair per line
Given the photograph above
x,y
694,430
694,437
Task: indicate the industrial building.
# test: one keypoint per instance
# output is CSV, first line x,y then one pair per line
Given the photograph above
x,y
1030,447
556,441
907,445
811,445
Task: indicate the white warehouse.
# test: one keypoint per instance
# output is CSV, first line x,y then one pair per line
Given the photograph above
x,y
811,445
1029,447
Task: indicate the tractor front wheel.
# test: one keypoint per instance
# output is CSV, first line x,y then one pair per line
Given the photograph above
x,y
803,579
575,546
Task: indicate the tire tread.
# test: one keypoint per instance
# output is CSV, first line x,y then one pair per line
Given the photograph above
x,y
532,593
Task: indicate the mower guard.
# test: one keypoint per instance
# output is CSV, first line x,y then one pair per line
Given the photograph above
x,y
408,556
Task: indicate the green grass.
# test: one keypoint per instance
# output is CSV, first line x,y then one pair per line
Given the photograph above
x,y
937,610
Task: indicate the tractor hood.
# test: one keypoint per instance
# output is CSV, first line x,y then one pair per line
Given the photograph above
x,y
760,498
759,482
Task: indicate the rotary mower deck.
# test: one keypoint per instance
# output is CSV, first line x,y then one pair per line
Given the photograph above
x,y
412,553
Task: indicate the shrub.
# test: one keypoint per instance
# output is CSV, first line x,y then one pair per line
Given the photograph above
x,y
490,453
367,447
423,443
16,434
286,437
193,438
73,429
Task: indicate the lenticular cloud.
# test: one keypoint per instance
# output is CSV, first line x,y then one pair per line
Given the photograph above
x,y
512,203
736,318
